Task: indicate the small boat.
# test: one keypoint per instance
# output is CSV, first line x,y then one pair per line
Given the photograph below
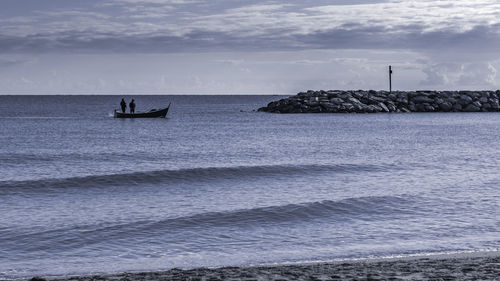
x,y
153,113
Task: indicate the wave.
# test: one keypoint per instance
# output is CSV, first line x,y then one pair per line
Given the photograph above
x,y
336,210
24,158
363,208
15,159
192,175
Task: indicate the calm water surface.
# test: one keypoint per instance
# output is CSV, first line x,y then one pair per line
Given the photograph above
x,y
216,184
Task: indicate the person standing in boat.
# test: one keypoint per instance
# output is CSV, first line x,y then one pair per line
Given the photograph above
x,y
123,105
132,106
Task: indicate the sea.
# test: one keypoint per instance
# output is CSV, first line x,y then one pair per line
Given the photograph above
x,y
217,183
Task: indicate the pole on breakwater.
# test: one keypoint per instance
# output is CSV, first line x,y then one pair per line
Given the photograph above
x,y
390,79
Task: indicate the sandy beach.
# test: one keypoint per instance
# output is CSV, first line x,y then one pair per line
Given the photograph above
x,y
474,266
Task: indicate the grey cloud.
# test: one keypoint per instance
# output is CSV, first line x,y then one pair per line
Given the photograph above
x,y
142,26
478,74
346,37
81,41
467,75
480,38
439,74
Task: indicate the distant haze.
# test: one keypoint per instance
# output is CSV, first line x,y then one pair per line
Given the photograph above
x,y
246,47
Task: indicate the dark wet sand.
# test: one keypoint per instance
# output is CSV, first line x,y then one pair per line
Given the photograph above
x,y
483,266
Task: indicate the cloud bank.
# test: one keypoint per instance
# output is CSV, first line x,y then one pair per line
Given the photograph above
x,y
165,26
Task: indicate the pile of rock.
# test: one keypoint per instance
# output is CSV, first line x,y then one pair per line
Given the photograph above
x,y
382,101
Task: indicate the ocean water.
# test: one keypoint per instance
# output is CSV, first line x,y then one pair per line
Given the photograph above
x,y
216,184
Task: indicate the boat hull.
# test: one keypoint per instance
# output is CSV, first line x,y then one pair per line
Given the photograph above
x,y
161,113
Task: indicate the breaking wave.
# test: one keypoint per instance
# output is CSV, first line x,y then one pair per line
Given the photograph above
x,y
192,175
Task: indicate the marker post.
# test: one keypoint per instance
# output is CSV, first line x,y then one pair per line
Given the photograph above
x,y
390,79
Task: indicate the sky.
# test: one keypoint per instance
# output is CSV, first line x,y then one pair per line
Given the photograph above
x,y
246,46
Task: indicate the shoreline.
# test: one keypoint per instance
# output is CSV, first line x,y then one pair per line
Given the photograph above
x,y
453,266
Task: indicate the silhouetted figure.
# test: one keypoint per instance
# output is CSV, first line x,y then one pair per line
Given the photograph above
x,y
123,104
132,106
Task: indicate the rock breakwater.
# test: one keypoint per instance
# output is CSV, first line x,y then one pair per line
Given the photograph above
x,y
337,101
